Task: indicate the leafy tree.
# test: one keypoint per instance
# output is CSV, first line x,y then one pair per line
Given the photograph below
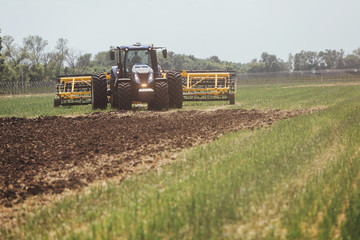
x,y
35,47
352,61
103,59
2,62
256,67
331,59
357,52
272,63
72,59
34,51
312,60
189,62
192,57
306,60
62,52
15,58
83,63
50,65
215,59
12,52
36,72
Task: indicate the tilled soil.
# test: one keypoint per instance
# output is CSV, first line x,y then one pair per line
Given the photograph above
x,y
50,154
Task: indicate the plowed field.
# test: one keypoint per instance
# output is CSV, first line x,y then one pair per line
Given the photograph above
x,y
50,154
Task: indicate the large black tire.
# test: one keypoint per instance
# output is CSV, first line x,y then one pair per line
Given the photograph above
x,y
175,89
151,105
98,92
232,98
124,96
161,99
57,102
114,92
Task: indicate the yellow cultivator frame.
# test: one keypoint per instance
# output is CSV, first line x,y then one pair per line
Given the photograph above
x,y
74,90
209,85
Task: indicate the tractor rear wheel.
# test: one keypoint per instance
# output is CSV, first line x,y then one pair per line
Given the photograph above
x,y
114,92
175,89
98,92
124,96
161,99
151,106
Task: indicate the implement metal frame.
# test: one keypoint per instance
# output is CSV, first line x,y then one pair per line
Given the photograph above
x,y
208,85
75,89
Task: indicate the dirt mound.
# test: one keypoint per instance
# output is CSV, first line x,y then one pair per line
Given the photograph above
x,y
49,154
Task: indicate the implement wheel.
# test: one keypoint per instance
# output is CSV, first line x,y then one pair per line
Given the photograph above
x,y
98,92
161,100
124,96
232,98
175,89
57,102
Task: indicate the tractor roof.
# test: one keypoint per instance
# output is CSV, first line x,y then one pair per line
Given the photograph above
x,y
136,46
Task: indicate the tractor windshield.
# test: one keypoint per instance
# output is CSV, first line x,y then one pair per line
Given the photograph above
x,y
133,57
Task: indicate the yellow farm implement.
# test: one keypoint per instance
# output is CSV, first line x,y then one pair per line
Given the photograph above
x,y
74,90
209,85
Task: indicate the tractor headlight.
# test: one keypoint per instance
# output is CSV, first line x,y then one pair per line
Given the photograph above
x,y
151,77
136,78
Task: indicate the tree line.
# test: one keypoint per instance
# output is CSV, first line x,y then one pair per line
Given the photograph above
x,y
306,61
31,61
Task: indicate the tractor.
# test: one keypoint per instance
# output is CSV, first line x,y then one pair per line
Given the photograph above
x,y
137,78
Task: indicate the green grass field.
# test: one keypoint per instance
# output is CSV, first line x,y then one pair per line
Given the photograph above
x,y
298,179
37,105
260,97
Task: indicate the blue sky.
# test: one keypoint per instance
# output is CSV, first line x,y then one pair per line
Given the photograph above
x,y
237,31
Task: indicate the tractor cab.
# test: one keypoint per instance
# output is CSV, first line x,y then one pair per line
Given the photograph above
x,y
136,57
136,54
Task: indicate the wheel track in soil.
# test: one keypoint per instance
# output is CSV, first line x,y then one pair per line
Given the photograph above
x,y
51,154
